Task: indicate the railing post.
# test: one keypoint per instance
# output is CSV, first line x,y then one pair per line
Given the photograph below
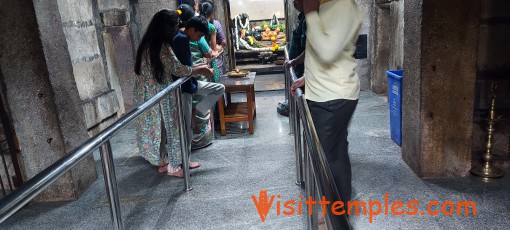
x,y
289,98
297,142
111,185
310,186
315,211
307,182
185,143
31,188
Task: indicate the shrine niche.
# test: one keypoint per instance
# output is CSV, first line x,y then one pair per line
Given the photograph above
x,y
260,41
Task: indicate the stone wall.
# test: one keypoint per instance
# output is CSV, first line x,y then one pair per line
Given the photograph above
x,y
142,12
259,9
41,92
368,27
493,64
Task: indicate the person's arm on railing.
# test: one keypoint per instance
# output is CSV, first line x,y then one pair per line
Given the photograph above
x,y
202,70
181,70
296,61
298,83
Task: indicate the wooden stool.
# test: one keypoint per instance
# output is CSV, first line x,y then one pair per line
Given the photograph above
x,y
240,111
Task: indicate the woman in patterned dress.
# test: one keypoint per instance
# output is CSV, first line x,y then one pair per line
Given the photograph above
x,y
158,128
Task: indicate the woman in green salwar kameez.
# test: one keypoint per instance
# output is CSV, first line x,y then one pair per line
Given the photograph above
x,y
207,10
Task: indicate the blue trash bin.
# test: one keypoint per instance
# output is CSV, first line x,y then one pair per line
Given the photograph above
x,y
395,102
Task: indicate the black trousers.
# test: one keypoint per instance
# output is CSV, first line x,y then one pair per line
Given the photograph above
x,y
331,119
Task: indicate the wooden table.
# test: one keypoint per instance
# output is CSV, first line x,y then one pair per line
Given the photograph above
x,y
240,111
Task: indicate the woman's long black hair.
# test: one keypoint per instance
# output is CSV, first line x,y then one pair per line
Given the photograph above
x,y
206,9
161,29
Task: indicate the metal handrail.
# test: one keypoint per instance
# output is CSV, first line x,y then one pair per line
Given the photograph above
x,y
24,194
312,163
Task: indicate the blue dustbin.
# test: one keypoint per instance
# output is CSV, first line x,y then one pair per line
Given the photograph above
x,y
395,102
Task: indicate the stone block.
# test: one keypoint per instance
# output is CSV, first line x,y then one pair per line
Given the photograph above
x,y
113,4
115,18
100,108
101,126
82,42
112,70
75,11
123,58
90,78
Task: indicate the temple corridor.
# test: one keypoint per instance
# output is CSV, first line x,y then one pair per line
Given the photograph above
x,y
239,165
66,75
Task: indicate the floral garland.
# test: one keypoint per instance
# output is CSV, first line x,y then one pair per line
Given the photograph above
x,y
246,25
237,35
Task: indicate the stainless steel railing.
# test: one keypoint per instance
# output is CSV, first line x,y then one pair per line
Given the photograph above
x,y
24,194
312,168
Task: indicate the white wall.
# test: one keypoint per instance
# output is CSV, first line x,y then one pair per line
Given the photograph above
x,y
258,9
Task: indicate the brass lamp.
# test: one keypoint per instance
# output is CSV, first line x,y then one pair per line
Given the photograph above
x,y
487,170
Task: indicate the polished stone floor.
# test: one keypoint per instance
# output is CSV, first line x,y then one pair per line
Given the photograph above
x,y
239,165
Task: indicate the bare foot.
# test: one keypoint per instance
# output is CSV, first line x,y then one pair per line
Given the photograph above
x,y
194,165
179,174
162,168
322,222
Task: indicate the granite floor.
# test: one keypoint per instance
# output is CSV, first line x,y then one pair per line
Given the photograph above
x,y
239,165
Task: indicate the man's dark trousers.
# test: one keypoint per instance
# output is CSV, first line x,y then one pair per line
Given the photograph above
x,y
331,120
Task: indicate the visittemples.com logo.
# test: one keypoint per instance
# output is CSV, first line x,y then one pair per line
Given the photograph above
x,y
264,203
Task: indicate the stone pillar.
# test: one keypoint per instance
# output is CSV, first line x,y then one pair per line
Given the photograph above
x,y
440,52
41,93
118,49
381,53
99,99
388,52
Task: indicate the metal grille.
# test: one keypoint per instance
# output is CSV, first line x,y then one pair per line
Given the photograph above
x,y
10,172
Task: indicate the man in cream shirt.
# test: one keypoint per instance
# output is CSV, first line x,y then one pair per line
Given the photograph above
x,y
330,80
